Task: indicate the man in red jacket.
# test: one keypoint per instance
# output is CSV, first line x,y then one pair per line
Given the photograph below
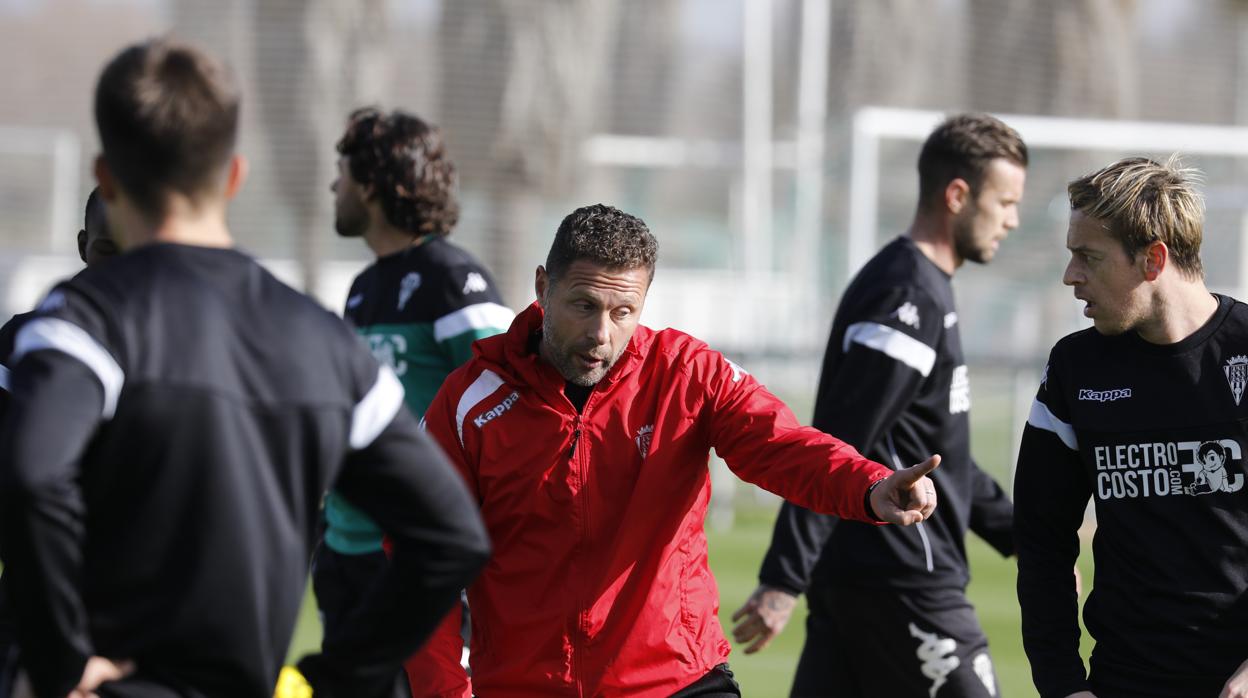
x,y
585,437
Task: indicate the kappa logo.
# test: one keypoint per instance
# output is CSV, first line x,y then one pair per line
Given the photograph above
x,y
408,286
643,438
496,411
1104,395
908,314
936,657
1236,370
475,283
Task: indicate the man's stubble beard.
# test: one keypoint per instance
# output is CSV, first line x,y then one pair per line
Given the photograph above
x,y
565,363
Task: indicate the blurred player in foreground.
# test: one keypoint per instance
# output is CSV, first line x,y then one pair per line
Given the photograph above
x,y
95,245
177,415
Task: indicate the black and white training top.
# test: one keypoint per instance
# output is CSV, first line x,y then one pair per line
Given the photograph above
x,y
8,332
895,386
176,416
1157,437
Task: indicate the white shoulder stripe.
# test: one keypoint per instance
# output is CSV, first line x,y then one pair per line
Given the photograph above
x,y
374,412
473,317
1043,418
4,379
894,343
481,388
63,336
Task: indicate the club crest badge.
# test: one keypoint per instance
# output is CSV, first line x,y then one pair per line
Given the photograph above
x,y
644,435
408,286
1236,370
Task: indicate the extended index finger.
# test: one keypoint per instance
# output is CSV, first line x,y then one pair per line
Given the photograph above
x,y
910,475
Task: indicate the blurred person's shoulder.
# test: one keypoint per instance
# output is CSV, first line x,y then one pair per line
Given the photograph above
x,y
8,334
899,262
208,287
898,270
440,250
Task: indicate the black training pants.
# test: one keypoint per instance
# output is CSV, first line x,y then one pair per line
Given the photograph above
x,y
867,643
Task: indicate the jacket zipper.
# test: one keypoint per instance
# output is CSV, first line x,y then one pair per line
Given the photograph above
x,y
927,544
581,620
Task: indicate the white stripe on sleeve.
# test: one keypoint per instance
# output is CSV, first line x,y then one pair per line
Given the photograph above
x,y
377,409
64,336
892,342
481,388
478,316
1042,417
4,379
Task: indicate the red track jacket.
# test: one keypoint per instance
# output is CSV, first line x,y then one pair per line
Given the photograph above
x,y
600,585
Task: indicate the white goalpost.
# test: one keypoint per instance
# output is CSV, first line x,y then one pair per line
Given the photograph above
x,y
64,150
61,207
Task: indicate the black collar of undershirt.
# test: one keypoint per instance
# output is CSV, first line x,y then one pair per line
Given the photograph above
x,y
578,395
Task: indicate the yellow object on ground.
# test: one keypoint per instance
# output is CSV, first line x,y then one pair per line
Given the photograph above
x,y
291,684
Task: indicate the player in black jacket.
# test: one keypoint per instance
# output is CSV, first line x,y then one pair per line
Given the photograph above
x,y
1144,414
95,245
177,415
895,386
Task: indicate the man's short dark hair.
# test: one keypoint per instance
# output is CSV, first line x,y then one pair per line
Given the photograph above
x,y
94,207
168,118
961,148
605,236
404,159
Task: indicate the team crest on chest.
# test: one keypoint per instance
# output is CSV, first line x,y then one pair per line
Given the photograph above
x,y
1236,370
408,286
644,435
